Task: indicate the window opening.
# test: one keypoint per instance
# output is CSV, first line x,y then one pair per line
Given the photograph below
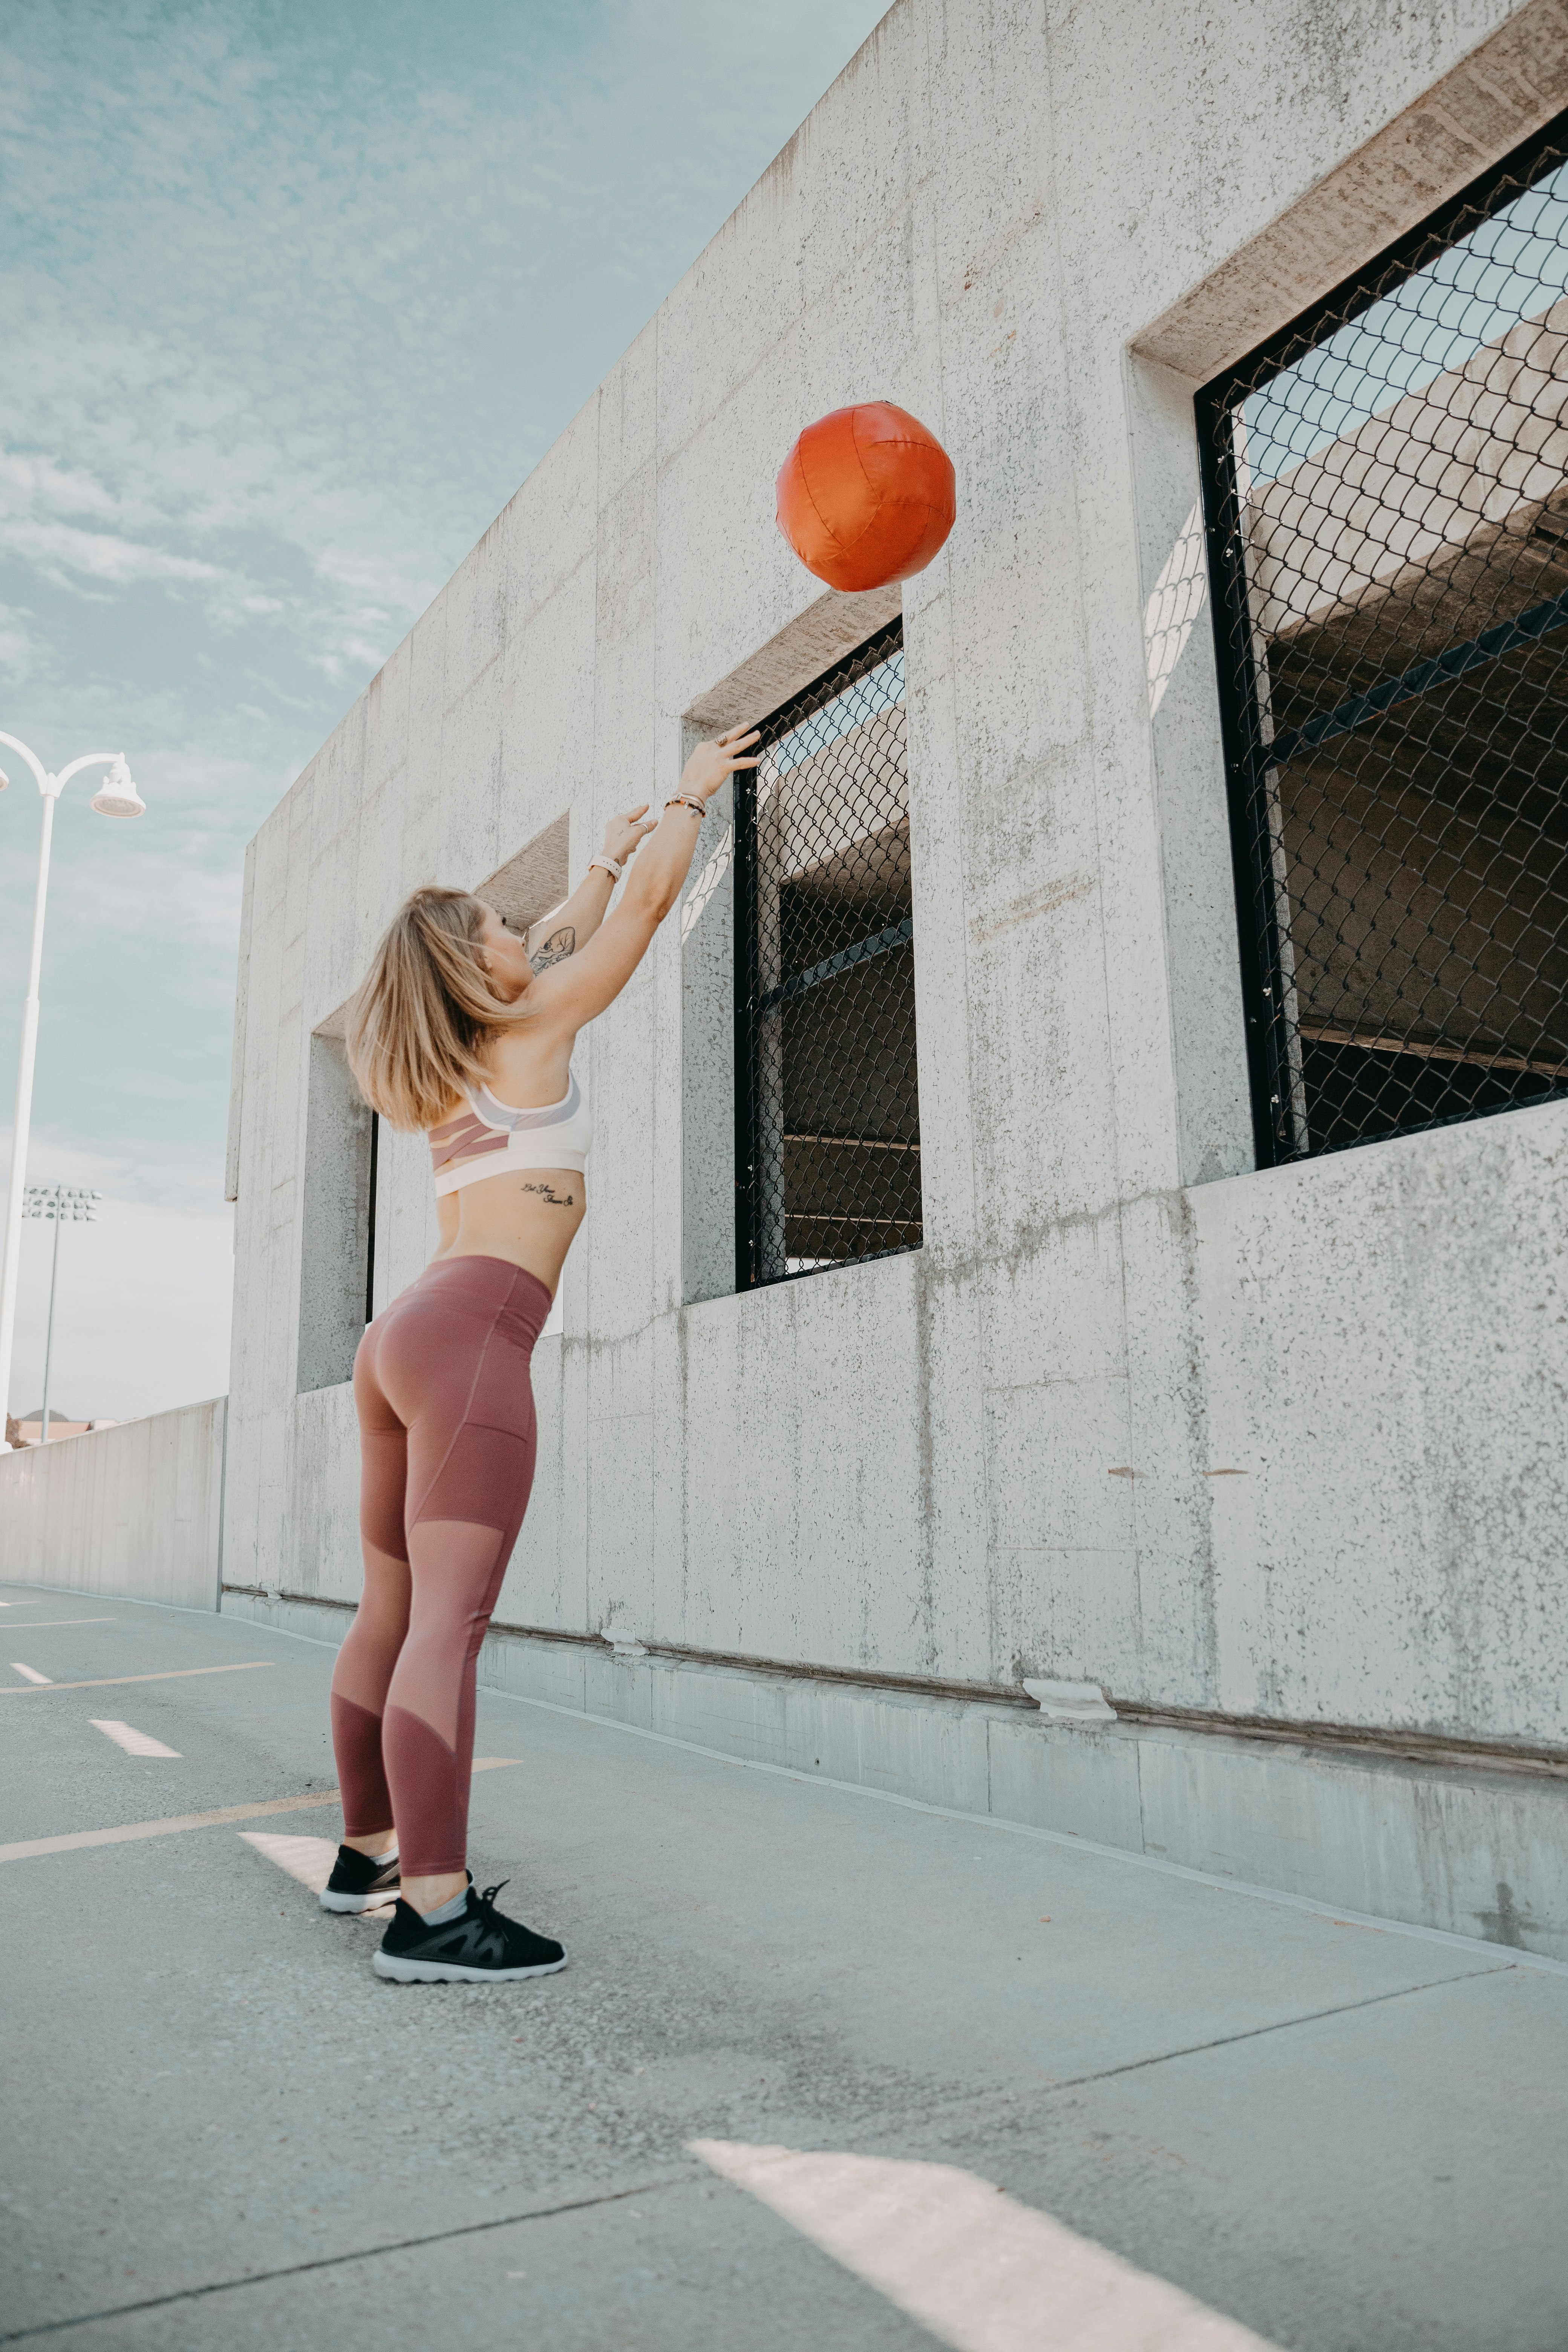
x,y
337,1221
827,1112
527,890
1386,491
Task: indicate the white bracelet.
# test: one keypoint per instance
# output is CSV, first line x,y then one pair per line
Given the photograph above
x,y
616,873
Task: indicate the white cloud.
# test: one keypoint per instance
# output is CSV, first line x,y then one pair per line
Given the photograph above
x,y
32,481
18,645
60,549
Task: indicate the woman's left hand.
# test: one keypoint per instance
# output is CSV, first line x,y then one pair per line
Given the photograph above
x,y
623,833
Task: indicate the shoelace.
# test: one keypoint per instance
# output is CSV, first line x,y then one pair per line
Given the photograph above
x,y
492,1924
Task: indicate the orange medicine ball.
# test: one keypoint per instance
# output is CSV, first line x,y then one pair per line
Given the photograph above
x,y
866,496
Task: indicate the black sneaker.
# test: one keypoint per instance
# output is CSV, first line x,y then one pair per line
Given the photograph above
x,y
359,1882
480,1946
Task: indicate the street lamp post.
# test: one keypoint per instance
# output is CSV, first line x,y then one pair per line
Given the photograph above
x,y
58,1202
116,796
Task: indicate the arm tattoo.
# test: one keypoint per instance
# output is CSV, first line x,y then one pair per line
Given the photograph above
x,y
556,948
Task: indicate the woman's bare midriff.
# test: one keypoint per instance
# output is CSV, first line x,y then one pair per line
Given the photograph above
x,y
530,1216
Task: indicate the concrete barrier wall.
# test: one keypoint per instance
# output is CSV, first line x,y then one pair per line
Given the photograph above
x,y
135,1510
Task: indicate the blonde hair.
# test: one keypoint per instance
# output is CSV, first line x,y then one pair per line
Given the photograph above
x,y
425,1012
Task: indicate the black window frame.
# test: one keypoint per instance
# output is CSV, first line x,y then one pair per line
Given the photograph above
x,y
858,662
1261,962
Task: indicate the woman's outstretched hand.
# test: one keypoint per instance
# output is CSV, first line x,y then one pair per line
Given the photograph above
x,y
586,982
623,833
712,764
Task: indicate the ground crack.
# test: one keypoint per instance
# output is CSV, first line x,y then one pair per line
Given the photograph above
x,y
356,2254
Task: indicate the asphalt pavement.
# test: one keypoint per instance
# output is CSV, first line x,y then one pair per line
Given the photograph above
x,y
825,2070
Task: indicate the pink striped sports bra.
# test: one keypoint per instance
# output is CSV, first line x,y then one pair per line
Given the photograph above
x,y
490,1137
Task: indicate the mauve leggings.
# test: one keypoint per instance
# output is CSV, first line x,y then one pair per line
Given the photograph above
x,y
448,1442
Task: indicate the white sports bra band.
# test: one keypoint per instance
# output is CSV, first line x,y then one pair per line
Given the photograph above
x,y
492,1138
507,1164
510,1115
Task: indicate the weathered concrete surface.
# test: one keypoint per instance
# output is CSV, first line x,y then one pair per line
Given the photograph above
x,y
1287,1445
1438,1838
135,1509
1336,2139
1495,97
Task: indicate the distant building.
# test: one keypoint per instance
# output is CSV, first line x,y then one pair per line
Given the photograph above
x,y
28,1429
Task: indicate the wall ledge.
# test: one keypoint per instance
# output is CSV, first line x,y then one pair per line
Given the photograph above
x,y
1508,87
1537,1759
1435,1843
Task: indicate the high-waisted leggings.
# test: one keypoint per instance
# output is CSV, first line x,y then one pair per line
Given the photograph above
x,y
448,1442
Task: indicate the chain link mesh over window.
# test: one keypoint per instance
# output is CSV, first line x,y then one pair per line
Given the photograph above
x,y
1386,488
828,1115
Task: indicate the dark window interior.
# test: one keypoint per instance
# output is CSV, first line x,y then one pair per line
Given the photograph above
x,y
1387,498
828,1104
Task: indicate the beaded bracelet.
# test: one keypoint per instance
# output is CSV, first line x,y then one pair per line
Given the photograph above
x,y
685,800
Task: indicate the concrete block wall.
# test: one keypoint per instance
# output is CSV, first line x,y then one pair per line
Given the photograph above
x,y
1280,1444
136,1511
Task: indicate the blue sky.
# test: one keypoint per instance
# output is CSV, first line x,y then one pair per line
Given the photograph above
x,y
291,300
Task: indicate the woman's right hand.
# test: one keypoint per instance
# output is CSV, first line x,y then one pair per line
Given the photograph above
x,y
623,833
712,764
573,991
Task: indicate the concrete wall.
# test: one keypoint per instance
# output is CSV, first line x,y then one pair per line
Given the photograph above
x,y
1283,1444
134,1510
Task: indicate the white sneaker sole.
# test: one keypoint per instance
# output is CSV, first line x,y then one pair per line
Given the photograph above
x,y
401,1971
382,1902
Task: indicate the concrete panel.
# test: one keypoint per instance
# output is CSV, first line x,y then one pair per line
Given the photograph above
x,y
1383,1356
134,1510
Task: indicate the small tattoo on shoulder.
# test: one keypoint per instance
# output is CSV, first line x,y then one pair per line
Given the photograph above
x,y
557,948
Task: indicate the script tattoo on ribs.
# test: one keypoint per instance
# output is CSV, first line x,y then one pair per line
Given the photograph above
x,y
557,1200
557,948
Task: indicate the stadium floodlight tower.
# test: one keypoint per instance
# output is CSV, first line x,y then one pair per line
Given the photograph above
x,y
60,1203
116,796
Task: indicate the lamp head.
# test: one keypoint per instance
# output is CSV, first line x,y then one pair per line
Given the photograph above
x,y
117,796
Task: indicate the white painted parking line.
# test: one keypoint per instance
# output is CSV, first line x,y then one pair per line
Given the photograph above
x,y
45,1625
980,2271
102,1682
31,1672
134,1742
310,1859
74,1841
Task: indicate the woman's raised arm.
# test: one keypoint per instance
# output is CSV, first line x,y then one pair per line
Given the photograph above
x,y
572,991
571,924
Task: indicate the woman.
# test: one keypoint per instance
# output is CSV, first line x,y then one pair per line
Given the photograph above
x,y
455,1032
